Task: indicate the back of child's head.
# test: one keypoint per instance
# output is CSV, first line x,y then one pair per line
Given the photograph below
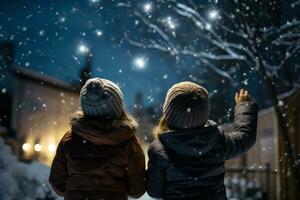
x,y
101,98
186,106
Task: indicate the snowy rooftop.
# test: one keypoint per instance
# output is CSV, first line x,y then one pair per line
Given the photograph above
x,y
43,79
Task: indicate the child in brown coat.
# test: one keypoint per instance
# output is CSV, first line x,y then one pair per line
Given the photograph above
x,y
100,157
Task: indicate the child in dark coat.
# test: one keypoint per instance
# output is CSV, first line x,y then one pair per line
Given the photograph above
x,y
100,157
186,160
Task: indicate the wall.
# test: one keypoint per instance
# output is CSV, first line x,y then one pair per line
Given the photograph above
x,y
41,115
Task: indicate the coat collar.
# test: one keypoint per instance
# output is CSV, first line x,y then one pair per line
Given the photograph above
x,y
104,132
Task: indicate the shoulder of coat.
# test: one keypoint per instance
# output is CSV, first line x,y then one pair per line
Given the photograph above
x,y
66,138
156,148
133,144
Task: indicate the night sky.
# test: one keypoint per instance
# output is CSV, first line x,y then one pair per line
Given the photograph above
x,y
50,37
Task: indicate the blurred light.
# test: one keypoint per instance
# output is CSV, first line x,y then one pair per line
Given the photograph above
x,y
41,32
37,147
147,7
26,147
98,32
94,1
170,23
208,26
51,147
213,14
83,49
140,62
62,19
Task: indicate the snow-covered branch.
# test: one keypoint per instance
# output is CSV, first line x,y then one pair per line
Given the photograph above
x,y
234,37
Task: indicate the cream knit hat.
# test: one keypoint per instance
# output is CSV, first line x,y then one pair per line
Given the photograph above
x,y
186,106
101,98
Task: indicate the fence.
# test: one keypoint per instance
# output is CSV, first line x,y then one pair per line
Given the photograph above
x,y
251,182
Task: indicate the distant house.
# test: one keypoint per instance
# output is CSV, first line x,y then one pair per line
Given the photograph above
x,y
41,111
35,109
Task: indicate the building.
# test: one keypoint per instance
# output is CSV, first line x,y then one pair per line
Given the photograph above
x,y
35,109
41,111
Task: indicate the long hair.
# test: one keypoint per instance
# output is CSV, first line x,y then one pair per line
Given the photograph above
x,y
160,127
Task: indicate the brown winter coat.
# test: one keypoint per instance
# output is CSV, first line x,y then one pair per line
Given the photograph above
x,y
99,160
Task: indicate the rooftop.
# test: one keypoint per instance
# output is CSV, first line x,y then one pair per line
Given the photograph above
x,y
33,76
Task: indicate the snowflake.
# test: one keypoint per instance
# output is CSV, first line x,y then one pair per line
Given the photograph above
x,y
147,7
213,14
98,32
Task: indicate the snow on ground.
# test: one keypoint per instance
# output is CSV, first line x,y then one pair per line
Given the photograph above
x,y
26,181
144,197
21,180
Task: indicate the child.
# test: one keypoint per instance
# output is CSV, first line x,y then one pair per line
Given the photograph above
x,y
99,158
186,160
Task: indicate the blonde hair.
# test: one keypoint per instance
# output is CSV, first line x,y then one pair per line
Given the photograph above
x,y
160,127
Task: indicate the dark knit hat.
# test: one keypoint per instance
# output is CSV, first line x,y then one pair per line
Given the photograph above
x,y
186,106
101,98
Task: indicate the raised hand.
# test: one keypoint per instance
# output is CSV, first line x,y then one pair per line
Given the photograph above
x,y
242,96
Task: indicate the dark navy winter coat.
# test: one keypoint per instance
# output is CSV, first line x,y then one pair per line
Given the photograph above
x,y
189,164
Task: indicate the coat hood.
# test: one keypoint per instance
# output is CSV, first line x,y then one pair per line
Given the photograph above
x,y
103,132
190,143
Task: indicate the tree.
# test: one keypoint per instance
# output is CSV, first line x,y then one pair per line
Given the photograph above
x,y
247,35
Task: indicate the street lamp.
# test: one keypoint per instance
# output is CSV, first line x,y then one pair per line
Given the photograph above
x,y
51,147
26,147
37,147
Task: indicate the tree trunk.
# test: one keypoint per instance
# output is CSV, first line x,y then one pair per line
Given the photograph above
x,y
281,121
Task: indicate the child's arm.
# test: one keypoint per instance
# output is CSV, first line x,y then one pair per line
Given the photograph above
x,y
245,122
156,171
59,173
136,171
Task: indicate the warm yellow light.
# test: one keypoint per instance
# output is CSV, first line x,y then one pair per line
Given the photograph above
x,y
51,147
37,147
26,147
